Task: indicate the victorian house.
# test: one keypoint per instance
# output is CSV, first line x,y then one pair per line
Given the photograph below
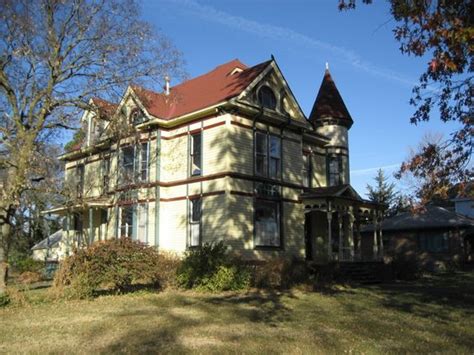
x,y
228,156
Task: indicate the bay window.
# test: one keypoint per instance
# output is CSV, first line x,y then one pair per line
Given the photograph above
x,y
267,223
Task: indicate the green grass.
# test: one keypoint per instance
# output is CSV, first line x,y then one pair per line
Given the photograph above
x,y
435,314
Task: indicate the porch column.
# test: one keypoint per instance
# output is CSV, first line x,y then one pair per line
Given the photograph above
x,y
91,226
351,233
329,217
375,248
341,235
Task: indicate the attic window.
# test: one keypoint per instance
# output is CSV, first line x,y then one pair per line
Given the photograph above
x,y
137,117
236,70
266,97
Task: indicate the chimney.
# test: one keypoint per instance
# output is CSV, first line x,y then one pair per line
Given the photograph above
x,y
167,85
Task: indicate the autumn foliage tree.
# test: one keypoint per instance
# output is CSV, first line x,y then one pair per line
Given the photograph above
x,y
54,56
443,32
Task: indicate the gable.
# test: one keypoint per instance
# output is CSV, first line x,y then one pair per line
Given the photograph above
x,y
272,77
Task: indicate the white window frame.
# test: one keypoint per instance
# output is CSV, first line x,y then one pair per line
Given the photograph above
x,y
195,169
195,223
126,227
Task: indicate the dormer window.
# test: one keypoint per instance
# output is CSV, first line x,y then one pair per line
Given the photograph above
x,y
137,117
266,98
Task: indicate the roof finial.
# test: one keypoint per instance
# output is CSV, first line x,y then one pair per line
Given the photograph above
x,y
327,66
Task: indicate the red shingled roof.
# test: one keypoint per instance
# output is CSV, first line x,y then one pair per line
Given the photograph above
x,y
329,103
106,108
203,91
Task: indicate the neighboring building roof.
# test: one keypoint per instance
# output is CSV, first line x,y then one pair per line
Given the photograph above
x,y
220,84
50,242
430,217
329,103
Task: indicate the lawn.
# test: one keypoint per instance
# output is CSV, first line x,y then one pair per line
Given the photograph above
x,y
435,314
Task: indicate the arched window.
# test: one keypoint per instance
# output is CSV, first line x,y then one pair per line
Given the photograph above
x,y
137,116
266,97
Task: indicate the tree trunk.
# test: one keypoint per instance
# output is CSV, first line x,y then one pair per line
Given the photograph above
x,y
3,261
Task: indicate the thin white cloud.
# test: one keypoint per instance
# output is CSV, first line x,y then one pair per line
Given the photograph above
x,y
368,171
278,33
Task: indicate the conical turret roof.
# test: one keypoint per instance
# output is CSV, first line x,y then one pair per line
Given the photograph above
x,y
329,104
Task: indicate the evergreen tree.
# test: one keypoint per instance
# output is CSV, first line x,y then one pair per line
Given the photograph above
x,y
383,192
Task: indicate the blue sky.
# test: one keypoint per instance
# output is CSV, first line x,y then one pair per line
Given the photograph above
x,y
374,78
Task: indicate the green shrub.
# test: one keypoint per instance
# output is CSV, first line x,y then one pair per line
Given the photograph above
x,y
28,265
4,300
210,268
114,265
227,278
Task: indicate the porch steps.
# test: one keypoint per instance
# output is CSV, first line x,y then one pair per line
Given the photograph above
x,y
363,272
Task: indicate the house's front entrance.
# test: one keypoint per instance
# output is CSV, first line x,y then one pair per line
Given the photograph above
x,y
332,226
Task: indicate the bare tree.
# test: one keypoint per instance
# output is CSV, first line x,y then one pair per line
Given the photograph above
x,y
54,56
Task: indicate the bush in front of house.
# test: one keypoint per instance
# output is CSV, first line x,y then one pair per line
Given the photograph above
x,y
405,267
114,265
29,277
28,265
4,300
209,268
280,273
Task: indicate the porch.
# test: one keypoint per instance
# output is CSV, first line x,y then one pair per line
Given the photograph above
x,y
84,223
334,217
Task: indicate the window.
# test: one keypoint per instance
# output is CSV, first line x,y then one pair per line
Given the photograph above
x,y
127,163
142,216
126,222
135,163
137,116
275,156
335,170
261,154
80,177
306,173
195,154
105,173
144,161
266,97
433,243
267,155
195,222
267,223
103,216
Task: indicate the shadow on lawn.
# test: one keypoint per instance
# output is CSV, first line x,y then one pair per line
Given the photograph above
x,y
437,301
452,291
177,319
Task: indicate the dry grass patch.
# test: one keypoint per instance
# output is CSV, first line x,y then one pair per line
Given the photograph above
x,y
433,315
